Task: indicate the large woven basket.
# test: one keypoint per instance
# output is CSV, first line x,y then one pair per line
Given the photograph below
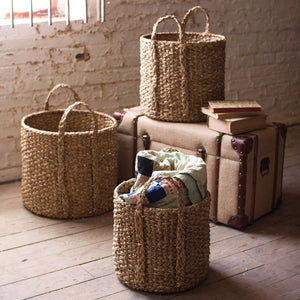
x,y
181,72
159,249
69,163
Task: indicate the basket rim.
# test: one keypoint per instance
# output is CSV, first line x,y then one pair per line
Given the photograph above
x,y
221,38
55,133
117,199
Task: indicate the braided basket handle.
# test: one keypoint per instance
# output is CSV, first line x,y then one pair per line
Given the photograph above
x,y
63,121
180,261
154,90
58,86
61,153
188,14
162,19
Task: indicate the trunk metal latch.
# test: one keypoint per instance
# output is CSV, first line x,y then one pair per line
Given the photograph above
x,y
202,152
146,141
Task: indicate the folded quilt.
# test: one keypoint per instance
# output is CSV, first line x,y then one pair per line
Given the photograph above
x,y
189,171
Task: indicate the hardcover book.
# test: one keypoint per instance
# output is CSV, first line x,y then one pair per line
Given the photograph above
x,y
233,106
227,115
237,125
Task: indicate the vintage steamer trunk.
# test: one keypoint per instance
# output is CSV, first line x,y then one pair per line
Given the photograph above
x,y
244,172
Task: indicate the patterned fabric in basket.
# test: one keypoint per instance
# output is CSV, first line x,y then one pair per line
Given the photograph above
x,y
188,171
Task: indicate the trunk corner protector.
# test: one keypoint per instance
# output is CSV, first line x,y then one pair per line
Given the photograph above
x,y
242,145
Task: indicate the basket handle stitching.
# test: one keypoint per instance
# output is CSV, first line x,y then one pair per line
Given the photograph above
x,y
58,86
180,259
61,156
188,14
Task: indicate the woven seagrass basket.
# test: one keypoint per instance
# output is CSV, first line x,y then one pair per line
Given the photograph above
x,y
160,249
181,72
69,163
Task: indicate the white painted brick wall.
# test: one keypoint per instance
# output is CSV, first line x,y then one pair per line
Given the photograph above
x,y
262,60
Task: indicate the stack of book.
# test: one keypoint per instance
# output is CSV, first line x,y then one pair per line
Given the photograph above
x,y
235,117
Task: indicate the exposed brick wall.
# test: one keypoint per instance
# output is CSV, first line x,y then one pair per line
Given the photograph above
x,y
262,60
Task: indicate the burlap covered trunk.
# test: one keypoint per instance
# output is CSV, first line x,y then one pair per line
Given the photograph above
x,y
244,172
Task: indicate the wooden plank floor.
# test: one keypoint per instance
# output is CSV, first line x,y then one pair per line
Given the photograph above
x,y
42,258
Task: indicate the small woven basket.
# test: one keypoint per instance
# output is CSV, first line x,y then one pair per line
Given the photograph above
x,y
69,163
160,250
181,72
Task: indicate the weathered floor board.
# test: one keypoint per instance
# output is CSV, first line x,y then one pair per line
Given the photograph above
x,y
42,258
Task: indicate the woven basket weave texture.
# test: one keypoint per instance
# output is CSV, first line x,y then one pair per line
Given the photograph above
x,y
181,72
69,163
160,250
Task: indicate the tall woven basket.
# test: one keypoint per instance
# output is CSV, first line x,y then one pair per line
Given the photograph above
x,y
69,163
181,72
160,249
